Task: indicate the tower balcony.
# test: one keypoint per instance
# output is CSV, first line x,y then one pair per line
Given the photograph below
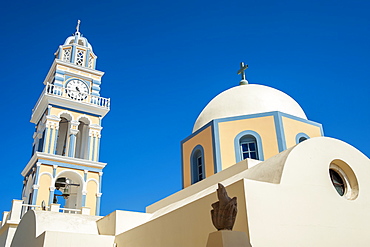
x,y
70,99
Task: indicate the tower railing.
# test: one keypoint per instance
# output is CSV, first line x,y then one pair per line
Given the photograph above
x,y
75,95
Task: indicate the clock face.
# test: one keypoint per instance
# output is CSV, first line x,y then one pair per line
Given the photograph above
x,y
77,89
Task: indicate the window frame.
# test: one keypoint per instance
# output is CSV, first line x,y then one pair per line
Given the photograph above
x,y
238,142
248,139
198,152
299,136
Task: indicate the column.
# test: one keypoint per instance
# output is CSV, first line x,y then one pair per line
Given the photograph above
x,y
56,139
52,188
44,142
89,147
84,192
73,53
97,147
52,124
51,132
72,139
94,141
87,58
98,195
36,186
51,195
97,211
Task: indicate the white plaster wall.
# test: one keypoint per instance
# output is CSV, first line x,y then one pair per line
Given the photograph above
x,y
37,227
305,209
290,202
64,239
120,221
6,235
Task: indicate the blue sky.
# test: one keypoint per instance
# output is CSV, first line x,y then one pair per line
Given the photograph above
x,y
165,60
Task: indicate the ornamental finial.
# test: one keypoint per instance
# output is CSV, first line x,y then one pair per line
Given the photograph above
x,y
241,72
224,210
78,26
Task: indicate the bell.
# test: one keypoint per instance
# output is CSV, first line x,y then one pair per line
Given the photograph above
x,y
65,192
61,183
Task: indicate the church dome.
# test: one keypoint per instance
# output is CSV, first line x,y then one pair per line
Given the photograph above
x,y
248,99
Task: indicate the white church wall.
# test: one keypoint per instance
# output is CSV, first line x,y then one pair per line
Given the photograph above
x,y
297,206
34,224
188,225
120,221
305,209
62,239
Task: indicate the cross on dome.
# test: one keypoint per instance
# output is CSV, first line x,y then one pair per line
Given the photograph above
x,y
241,72
78,27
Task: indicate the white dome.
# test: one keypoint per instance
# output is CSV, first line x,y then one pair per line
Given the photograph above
x,y
245,100
80,40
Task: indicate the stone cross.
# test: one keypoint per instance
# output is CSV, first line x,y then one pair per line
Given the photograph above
x,y
242,70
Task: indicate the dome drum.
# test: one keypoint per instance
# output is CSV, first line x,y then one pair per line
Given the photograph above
x,y
247,121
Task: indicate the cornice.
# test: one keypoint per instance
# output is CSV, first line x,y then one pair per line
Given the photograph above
x,y
46,99
70,65
62,159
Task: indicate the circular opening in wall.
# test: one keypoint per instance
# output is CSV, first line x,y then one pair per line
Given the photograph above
x,y
337,181
343,179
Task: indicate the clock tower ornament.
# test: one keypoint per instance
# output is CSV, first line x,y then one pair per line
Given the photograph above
x,y
65,167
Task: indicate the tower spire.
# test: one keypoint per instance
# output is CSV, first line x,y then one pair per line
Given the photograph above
x,y
78,27
241,72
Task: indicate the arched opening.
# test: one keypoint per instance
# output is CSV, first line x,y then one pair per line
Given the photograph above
x,y
343,179
63,136
300,137
337,181
197,164
40,147
80,57
82,139
248,147
68,191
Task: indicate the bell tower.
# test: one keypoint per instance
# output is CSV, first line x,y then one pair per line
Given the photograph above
x,y
64,167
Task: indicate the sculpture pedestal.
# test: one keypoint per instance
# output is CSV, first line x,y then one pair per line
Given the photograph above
x,y
225,238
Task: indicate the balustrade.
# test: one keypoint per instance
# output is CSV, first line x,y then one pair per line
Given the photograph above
x,y
63,92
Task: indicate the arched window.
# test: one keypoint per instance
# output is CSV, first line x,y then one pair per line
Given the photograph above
x,y
82,139
248,147
248,144
197,164
300,137
63,134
